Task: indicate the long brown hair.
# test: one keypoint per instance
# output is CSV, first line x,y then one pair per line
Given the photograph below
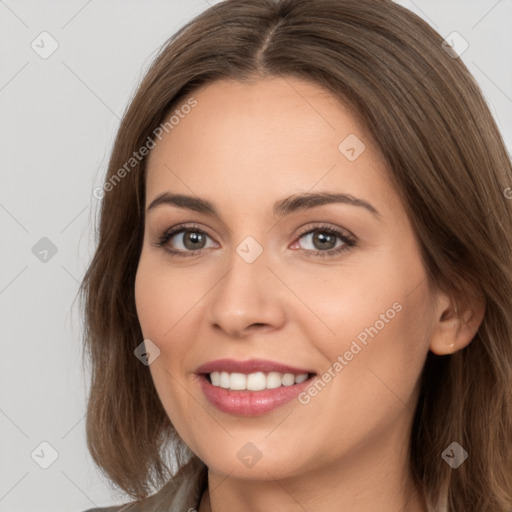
x,y
450,166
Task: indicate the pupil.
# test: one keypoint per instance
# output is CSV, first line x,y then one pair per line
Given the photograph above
x,y
194,237
322,238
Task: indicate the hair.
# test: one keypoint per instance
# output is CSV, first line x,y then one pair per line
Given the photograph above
x,y
450,166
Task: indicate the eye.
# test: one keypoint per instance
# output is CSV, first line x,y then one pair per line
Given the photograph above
x,y
187,240
324,240
190,240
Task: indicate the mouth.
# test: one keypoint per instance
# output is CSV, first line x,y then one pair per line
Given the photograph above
x,y
251,388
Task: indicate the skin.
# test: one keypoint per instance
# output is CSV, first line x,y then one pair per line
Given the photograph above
x,y
243,147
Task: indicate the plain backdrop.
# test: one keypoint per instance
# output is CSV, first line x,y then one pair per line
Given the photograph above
x,y
60,114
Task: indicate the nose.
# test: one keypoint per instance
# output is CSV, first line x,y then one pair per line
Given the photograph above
x,y
248,298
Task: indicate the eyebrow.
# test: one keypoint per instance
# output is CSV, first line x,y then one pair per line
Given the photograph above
x,y
281,208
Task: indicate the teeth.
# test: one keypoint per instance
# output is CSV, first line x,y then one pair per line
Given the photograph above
x,y
224,380
288,379
301,378
274,380
255,381
237,381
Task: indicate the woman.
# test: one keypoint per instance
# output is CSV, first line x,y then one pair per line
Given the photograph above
x,y
302,292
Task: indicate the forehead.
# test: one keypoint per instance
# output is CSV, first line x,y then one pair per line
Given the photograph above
x,y
242,142
273,114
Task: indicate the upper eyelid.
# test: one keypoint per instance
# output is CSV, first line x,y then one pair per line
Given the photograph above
x,y
326,226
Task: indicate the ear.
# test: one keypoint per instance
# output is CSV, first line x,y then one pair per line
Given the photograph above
x,y
454,326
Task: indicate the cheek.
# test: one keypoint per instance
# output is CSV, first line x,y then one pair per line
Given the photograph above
x,y
150,297
167,301
160,301
160,306
374,299
370,378
385,352
378,320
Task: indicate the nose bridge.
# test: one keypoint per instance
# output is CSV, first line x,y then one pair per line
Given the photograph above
x,y
246,294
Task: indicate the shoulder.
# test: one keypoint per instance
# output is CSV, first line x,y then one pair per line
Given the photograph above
x,y
108,509
128,507
118,508
179,494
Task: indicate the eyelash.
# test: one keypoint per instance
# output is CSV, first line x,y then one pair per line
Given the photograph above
x,y
348,241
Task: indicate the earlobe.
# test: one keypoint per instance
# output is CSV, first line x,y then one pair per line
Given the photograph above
x,y
443,347
454,329
445,337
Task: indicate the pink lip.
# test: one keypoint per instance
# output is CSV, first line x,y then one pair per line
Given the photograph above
x,y
249,403
249,366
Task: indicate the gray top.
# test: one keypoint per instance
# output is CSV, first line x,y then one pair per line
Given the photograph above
x,y
179,494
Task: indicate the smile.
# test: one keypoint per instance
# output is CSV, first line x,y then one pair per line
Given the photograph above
x,y
253,387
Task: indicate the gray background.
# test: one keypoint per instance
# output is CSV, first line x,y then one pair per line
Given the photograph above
x,y
59,119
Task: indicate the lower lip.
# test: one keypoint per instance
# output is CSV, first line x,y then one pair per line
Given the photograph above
x,y
250,403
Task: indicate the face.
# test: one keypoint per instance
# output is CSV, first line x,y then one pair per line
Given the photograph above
x,y
248,295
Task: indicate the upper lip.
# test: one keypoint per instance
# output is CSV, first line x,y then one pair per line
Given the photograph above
x,y
249,366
